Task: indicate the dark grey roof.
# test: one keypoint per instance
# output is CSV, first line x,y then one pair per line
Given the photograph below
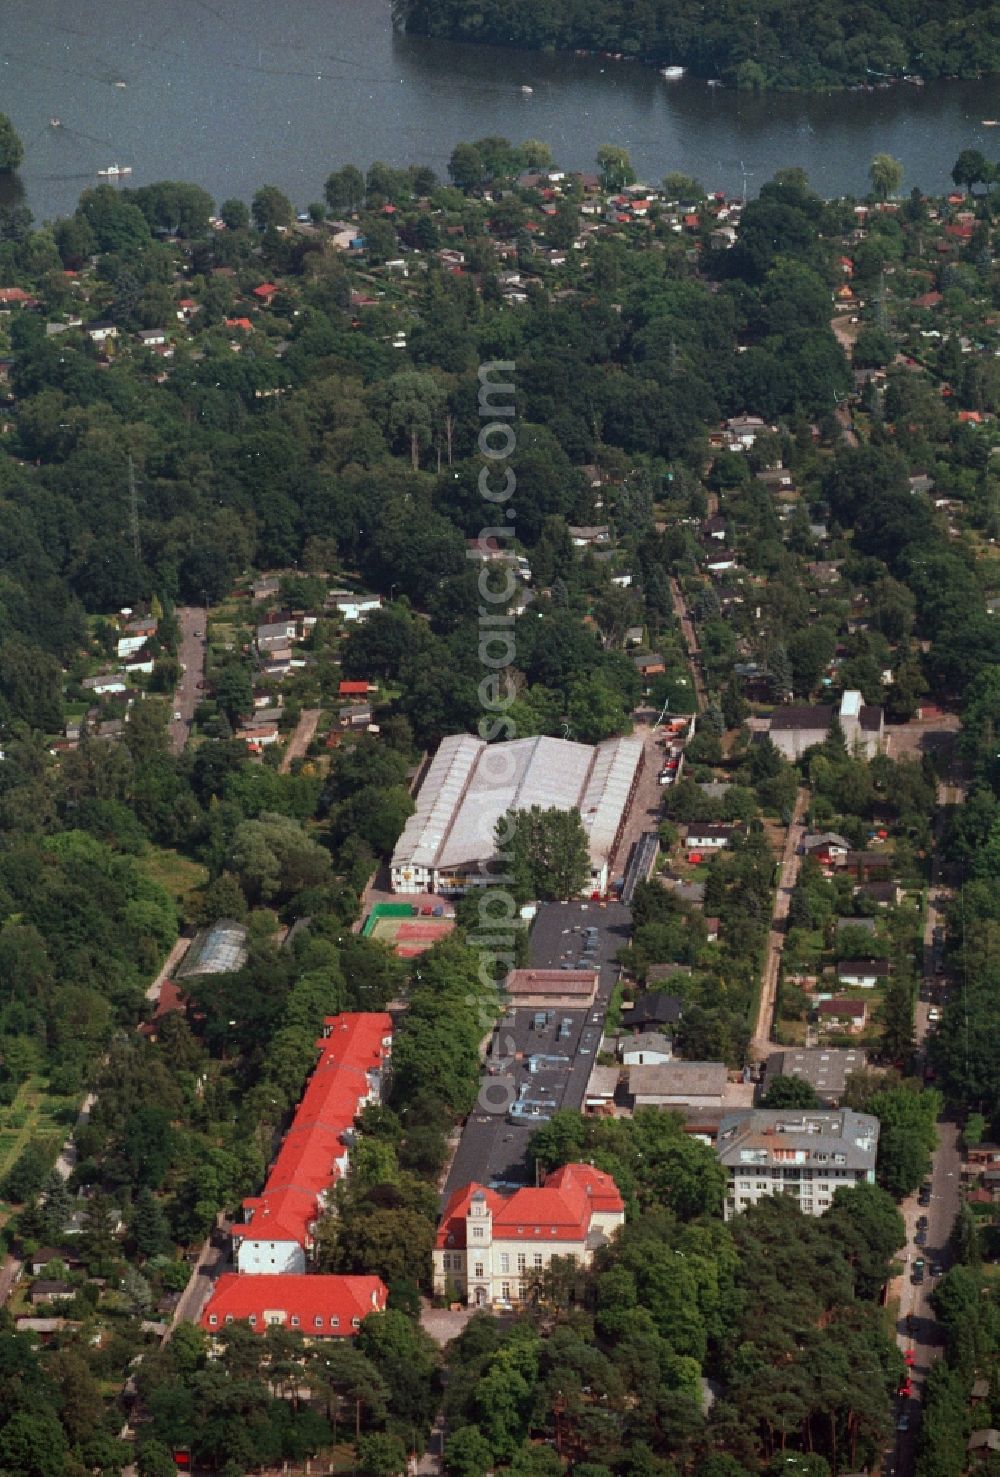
x,y
654,1008
818,717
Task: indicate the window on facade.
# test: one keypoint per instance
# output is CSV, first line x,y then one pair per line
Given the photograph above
x,y
253,1319
478,1271
334,1322
229,1317
477,1232
521,1261
355,1322
213,1319
538,1258
317,1322
505,1291
504,1261
295,1320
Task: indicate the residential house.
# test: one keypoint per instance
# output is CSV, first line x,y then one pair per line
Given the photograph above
x,y
152,338
348,688
16,297
352,605
646,1048
590,536
46,1255
828,847
355,715
650,664
47,1290
266,587
844,1013
863,974
105,682
277,632
170,1001
258,735
559,989
653,1008
100,331
708,836
318,1306
808,1154
744,430
490,1247
676,1083
826,1069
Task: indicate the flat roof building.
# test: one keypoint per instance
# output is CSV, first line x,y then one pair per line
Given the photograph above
x,y
795,1151
448,844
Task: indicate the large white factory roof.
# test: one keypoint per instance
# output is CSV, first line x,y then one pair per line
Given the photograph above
x,y
470,785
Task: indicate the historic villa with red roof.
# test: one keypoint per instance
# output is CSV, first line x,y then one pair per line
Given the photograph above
x,y
276,1235
319,1307
490,1246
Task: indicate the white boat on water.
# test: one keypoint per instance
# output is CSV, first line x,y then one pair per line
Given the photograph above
x,y
672,74
527,90
991,122
114,170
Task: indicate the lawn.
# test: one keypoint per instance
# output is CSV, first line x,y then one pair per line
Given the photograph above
x,y
178,876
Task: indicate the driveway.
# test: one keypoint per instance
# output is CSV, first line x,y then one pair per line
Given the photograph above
x,y
760,1045
191,655
305,732
690,641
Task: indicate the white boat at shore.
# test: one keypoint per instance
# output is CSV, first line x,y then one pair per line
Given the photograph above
x,y
991,122
526,89
672,74
114,170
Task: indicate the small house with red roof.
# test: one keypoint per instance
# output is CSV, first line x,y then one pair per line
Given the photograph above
x,y
352,689
321,1307
170,1001
490,1247
265,293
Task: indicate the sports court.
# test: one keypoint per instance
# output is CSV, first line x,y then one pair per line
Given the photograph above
x,y
410,928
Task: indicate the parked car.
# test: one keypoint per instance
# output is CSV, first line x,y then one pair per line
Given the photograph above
x,y
937,1269
903,1424
920,1239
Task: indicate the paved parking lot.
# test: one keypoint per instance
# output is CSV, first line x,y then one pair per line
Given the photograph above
x,y
548,1064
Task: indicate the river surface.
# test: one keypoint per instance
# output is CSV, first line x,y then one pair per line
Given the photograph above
x,y
232,94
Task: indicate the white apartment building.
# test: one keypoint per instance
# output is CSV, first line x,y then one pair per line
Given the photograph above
x,y
794,1151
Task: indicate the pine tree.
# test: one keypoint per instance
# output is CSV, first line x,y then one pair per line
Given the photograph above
x,y
57,1207
149,1229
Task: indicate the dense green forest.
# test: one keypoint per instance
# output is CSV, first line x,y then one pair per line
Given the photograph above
x,y
749,44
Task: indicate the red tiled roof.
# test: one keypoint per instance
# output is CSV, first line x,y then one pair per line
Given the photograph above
x,y
266,289
15,295
243,323
320,1306
352,689
562,1207
307,1162
169,1001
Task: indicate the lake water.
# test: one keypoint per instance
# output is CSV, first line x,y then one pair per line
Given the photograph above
x,y
232,94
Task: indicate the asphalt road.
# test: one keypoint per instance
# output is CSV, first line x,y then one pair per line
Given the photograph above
x,y
926,1340
191,655
492,1150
